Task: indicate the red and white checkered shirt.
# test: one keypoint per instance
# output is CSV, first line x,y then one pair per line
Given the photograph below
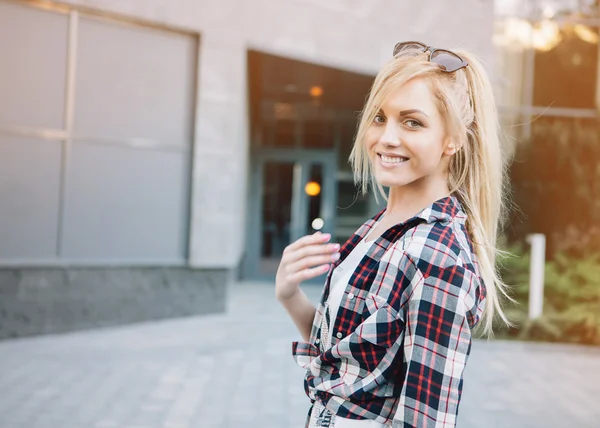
x,y
402,335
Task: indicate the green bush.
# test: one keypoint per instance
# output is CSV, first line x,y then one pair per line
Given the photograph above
x,y
571,299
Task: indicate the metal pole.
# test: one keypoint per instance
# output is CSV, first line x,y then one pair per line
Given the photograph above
x,y
536,274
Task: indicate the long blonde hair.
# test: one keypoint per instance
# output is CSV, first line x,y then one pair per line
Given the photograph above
x,y
477,172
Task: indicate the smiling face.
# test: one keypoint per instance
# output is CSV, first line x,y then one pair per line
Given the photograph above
x,y
407,142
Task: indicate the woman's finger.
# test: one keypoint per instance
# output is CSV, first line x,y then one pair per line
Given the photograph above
x,y
311,261
310,250
315,238
307,274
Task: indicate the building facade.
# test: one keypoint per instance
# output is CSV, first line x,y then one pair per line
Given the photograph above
x,y
547,63
153,151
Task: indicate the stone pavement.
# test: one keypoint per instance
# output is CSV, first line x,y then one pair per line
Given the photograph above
x,y
235,371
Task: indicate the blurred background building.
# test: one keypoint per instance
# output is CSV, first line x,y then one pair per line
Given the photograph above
x,y
547,67
152,151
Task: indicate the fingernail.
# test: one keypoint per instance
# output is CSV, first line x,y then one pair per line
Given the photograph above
x,y
335,257
326,236
325,268
336,247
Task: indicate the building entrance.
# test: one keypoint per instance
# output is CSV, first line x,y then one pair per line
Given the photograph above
x,y
295,197
303,119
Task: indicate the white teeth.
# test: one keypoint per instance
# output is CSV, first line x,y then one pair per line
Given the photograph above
x,y
393,159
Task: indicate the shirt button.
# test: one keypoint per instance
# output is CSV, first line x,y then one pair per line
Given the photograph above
x,y
338,335
317,341
350,296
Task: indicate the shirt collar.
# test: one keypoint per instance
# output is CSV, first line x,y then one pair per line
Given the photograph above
x,y
442,210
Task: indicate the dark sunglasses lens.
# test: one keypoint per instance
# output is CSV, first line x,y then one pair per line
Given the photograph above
x,y
408,46
447,60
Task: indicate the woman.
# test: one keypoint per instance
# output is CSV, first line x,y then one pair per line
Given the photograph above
x,y
388,343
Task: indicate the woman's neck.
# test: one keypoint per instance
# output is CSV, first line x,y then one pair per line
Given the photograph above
x,y
406,201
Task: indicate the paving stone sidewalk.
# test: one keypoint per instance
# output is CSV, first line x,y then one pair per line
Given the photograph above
x,y
235,371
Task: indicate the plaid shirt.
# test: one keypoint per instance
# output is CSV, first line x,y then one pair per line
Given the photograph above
x,y
402,334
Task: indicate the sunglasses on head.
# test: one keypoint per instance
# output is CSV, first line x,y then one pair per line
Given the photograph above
x,y
448,61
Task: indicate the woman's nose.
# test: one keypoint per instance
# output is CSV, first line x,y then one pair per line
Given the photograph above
x,y
390,136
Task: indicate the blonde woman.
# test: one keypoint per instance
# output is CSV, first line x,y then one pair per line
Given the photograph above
x,y
389,341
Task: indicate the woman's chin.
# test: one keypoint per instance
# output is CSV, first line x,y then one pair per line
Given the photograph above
x,y
385,181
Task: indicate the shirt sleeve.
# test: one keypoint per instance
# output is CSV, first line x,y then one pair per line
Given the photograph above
x,y
436,346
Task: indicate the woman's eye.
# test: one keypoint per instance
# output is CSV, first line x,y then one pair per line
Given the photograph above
x,y
411,123
379,119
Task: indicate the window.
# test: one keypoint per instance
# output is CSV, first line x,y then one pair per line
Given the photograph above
x,y
123,195
566,74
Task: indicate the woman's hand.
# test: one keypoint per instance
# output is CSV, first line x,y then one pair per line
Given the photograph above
x,y
308,257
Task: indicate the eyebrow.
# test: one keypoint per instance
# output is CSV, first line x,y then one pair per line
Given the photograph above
x,y
407,112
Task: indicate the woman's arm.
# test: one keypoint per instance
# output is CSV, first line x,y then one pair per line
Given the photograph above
x,y
308,257
302,312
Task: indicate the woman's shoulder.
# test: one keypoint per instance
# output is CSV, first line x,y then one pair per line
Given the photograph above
x,y
438,244
439,254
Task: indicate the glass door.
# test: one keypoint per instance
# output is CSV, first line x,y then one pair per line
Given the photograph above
x,y
291,198
276,222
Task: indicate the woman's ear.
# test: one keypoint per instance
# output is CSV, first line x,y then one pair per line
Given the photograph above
x,y
451,147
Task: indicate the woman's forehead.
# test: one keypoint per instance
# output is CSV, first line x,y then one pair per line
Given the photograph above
x,y
416,94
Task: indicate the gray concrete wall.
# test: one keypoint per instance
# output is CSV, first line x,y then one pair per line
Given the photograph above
x,y
41,301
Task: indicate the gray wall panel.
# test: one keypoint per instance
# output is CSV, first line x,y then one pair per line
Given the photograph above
x,y
126,204
123,204
33,52
134,82
29,195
